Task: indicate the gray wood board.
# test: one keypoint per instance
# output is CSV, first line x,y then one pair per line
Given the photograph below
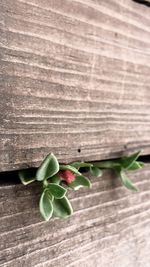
x,y
110,226
74,77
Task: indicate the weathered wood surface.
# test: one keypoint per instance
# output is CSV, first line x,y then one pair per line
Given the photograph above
x,y
110,226
74,75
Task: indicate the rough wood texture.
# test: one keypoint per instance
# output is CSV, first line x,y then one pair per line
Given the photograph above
x,y
74,75
110,226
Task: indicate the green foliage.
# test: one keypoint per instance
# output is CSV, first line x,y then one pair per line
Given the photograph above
x,y
107,164
127,162
79,165
127,182
136,165
62,208
45,205
53,200
48,168
95,171
27,176
55,179
70,168
56,190
80,181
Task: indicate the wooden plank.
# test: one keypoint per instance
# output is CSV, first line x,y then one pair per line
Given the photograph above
x,y
74,80
110,226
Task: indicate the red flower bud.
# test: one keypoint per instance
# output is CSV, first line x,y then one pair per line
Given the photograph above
x,y
67,176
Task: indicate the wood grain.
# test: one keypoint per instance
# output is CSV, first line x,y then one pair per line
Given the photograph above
x,y
110,226
74,77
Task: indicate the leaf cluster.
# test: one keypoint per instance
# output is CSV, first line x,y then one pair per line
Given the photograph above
x,y
121,166
54,201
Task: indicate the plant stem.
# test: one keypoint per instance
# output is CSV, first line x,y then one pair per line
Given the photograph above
x,y
107,164
45,183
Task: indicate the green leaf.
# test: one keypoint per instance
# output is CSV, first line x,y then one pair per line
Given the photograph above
x,y
136,165
48,168
95,171
141,164
107,164
55,179
79,165
45,205
62,208
70,168
80,181
127,182
56,190
27,176
126,162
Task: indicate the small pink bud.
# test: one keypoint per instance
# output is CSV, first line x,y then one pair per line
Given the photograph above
x,y
67,176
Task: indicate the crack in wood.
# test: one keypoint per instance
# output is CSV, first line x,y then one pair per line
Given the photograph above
x,y
6,176
142,2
